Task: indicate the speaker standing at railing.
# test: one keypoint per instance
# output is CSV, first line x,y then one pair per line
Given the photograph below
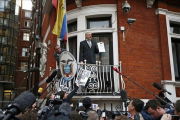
x,y
88,49
57,53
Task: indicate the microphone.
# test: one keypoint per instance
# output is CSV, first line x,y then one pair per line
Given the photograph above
x,y
123,94
39,92
50,78
115,69
23,101
159,87
33,69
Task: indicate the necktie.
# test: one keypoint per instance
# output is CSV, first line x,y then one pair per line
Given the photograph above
x,y
89,43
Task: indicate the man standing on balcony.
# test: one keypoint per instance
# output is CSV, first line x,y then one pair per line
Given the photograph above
x,y
88,49
57,53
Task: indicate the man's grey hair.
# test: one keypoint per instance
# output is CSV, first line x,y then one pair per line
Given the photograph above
x,y
92,115
87,32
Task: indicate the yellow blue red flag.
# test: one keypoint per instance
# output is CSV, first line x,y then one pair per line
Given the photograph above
x,y
60,26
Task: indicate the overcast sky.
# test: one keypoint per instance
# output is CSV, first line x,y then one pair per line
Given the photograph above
x,y
27,4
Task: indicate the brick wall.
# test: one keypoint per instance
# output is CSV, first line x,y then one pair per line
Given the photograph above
x,y
144,53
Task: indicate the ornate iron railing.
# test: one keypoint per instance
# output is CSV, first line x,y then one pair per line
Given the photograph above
x,y
103,80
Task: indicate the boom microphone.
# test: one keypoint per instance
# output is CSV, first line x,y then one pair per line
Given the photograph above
x,y
159,87
115,69
23,101
123,94
50,78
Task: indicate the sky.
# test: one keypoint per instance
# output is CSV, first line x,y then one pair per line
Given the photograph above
x,y
27,4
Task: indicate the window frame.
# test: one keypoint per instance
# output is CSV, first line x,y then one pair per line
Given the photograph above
x,y
175,41
25,36
23,67
72,24
172,18
99,19
28,24
25,51
27,13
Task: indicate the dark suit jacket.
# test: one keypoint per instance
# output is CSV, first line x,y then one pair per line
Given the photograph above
x,y
87,53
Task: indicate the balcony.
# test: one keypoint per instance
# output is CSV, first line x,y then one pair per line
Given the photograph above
x,y
103,82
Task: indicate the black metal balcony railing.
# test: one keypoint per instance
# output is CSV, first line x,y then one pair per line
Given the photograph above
x,y
103,80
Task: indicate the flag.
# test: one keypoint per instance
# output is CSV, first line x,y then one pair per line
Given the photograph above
x,y
60,27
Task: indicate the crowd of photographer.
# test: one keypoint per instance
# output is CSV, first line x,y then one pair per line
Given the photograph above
x,y
58,108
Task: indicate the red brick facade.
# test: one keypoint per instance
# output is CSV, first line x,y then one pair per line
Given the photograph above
x,y
144,53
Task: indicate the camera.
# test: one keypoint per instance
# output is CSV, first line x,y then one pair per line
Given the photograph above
x,y
130,20
126,7
42,112
83,115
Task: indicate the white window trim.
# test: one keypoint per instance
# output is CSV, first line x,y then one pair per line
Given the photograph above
x,y
95,10
103,10
170,16
170,85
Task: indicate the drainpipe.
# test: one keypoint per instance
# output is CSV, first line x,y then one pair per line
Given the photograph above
x,y
38,48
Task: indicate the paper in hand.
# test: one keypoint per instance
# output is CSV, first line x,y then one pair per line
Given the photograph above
x,y
101,47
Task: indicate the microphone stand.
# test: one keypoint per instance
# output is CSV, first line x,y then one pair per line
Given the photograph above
x,y
125,104
144,88
20,86
43,92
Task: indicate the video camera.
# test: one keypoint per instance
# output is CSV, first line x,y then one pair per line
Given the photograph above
x,y
83,115
53,106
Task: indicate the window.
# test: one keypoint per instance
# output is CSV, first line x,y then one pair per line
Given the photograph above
x,y
73,46
27,14
4,69
106,58
7,98
25,52
72,27
62,44
26,36
174,32
103,22
24,66
176,57
175,28
26,24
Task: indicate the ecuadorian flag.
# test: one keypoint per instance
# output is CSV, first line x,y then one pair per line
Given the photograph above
x,y
60,27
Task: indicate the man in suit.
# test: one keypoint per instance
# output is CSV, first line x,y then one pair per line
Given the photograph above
x,y
88,49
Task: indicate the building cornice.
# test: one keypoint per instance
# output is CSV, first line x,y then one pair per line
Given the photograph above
x,y
166,12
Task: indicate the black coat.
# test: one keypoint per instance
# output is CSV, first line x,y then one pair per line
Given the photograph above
x,y
57,55
87,53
